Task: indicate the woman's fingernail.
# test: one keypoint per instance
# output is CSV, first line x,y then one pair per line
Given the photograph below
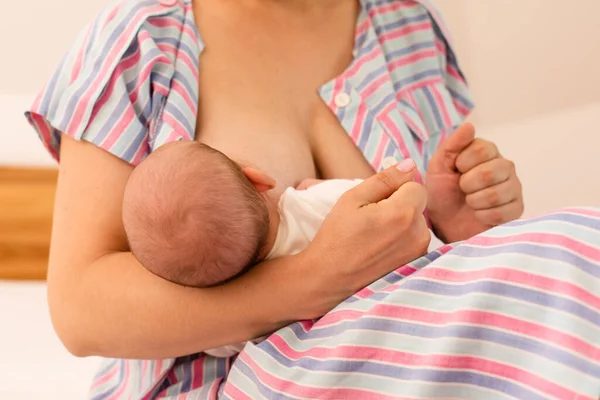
x,y
405,165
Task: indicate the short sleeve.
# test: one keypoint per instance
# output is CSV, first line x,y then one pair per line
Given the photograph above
x,y
109,88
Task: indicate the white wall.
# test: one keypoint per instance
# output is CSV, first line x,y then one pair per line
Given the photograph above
x,y
532,65
20,144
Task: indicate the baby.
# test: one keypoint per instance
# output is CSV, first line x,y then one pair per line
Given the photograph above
x,y
195,217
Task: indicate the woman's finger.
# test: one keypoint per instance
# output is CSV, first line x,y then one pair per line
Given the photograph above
x,y
495,196
500,215
486,175
411,196
478,152
381,185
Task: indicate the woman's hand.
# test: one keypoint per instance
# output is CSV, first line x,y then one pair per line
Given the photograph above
x,y
373,229
471,187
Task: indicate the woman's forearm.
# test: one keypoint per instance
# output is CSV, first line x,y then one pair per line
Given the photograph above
x,y
116,308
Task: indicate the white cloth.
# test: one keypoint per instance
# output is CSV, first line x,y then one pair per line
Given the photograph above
x,y
302,213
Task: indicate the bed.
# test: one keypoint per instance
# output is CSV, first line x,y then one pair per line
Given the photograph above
x,y
33,362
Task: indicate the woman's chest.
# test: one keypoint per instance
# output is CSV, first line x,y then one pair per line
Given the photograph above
x,y
259,89
301,96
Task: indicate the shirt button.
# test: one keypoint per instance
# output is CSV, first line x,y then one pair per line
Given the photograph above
x,y
342,99
168,3
388,162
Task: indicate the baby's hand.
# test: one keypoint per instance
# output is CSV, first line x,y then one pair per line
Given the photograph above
x,y
305,184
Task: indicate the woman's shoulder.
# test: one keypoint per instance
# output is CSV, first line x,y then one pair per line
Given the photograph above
x,y
109,85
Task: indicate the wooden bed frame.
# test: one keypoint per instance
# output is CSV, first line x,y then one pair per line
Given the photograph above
x,y
26,205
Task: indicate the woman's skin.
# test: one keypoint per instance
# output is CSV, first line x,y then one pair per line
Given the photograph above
x,y
264,61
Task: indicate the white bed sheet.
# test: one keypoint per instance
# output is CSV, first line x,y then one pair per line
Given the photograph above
x,y
33,362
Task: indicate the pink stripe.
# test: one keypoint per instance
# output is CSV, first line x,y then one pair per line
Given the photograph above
x,y
173,136
427,81
378,159
362,28
141,152
308,392
546,239
423,134
357,128
166,22
214,389
393,128
160,88
144,371
357,65
461,108
405,31
106,377
440,46
156,377
515,277
395,6
45,132
234,392
116,51
480,318
117,130
453,72
158,365
123,384
374,85
364,293
441,362
80,55
337,87
411,59
185,95
111,16
442,106
198,372
174,123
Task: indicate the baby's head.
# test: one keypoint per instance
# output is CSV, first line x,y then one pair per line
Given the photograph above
x,y
193,217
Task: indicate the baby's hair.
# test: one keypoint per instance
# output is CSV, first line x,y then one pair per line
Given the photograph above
x,y
192,217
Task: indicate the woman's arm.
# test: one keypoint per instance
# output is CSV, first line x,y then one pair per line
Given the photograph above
x,y
103,302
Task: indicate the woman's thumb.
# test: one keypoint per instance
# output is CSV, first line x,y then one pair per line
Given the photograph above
x,y
382,185
444,158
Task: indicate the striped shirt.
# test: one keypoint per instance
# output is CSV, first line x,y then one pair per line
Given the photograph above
x,y
477,323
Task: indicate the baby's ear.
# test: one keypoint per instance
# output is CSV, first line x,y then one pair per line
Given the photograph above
x,y
261,181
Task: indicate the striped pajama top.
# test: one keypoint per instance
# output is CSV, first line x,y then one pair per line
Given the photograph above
x,y
129,84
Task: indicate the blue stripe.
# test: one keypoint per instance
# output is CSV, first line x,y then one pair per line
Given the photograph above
x,y
97,64
116,384
368,127
537,250
449,332
433,107
399,373
577,219
401,23
371,76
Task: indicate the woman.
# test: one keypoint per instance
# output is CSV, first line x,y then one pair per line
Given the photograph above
x,y
333,89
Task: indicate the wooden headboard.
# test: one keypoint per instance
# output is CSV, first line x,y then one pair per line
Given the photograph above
x,y
26,204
